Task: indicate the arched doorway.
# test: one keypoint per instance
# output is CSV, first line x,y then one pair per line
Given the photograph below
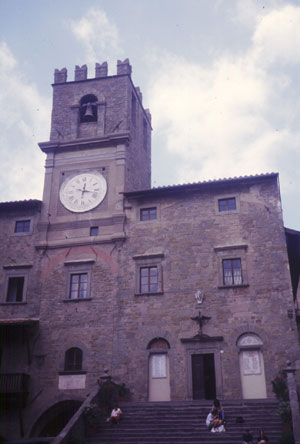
x,y
53,420
159,370
252,368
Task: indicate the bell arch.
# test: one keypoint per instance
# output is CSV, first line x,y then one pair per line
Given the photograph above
x,y
88,108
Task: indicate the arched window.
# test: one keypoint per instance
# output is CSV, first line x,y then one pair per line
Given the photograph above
x,y
159,343
252,370
159,371
88,108
73,359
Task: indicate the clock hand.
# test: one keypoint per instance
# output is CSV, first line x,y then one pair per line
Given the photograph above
x,y
83,190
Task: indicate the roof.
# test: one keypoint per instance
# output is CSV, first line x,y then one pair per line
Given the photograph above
x,y
202,185
19,321
21,204
292,232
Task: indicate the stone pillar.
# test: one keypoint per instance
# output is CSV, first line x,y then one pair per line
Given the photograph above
x,y
290,373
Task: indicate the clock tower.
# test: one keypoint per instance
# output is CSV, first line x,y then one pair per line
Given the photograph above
x,y
100,147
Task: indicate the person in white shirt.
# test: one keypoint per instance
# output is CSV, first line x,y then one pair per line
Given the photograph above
x,y
115,415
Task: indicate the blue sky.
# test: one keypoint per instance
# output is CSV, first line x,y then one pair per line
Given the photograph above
x,y
221,78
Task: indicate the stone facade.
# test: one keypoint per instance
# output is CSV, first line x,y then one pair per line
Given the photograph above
x,y
154,249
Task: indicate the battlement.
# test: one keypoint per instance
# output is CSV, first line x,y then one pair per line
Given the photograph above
x,y
81,72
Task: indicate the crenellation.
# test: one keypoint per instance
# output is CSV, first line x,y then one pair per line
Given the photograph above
x,y
101,70
124,67
80,72
60,75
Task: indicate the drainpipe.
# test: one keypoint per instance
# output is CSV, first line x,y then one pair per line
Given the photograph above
x,y
290,373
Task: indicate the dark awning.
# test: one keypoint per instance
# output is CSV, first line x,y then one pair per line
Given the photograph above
x,y
19,321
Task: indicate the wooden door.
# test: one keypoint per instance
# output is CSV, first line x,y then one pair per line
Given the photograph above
x,y
203,376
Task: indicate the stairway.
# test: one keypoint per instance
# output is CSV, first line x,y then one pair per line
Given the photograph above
x,y
184,422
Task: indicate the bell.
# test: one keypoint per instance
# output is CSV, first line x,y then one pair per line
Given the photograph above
x,y
88,110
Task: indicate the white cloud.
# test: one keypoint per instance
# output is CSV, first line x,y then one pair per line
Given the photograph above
x,y
277,37
24,121
98,34
234,116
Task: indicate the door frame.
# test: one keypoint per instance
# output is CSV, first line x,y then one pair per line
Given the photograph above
x,y
203,348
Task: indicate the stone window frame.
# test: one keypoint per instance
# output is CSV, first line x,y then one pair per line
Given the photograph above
x,y
146,207
223,196
67,346
23,233
15,272
232,252
78,267
149,260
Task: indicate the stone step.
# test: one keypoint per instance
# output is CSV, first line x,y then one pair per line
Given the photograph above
x,y
184,422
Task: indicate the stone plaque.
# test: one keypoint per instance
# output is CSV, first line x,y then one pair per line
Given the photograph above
x,y
251,362
71,382
159,366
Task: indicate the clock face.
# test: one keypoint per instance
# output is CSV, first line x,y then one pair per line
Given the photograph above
x,y
83,192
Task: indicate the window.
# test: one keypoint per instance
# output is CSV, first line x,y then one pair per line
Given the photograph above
x,y
148,279
94,231
232,272
73,359
78,279
22,226
78,285
148,213
15,289
149,273
228,204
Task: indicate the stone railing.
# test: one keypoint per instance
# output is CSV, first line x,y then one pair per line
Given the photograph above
x,y
76,421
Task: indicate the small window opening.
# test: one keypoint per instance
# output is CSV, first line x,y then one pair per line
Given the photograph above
x,y
94,231
15,289
148,213
88,108
227,204
73,359
22,226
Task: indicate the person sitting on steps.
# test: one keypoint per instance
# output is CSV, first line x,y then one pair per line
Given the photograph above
x,y
218,406
214,423
262,438
115,415
247,437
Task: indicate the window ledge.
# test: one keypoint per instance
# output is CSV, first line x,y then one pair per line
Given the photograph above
x,y
72,372
157,293
233,286
13,303
77,300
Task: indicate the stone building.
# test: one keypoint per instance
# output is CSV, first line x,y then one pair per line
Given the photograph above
x,y
180,292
